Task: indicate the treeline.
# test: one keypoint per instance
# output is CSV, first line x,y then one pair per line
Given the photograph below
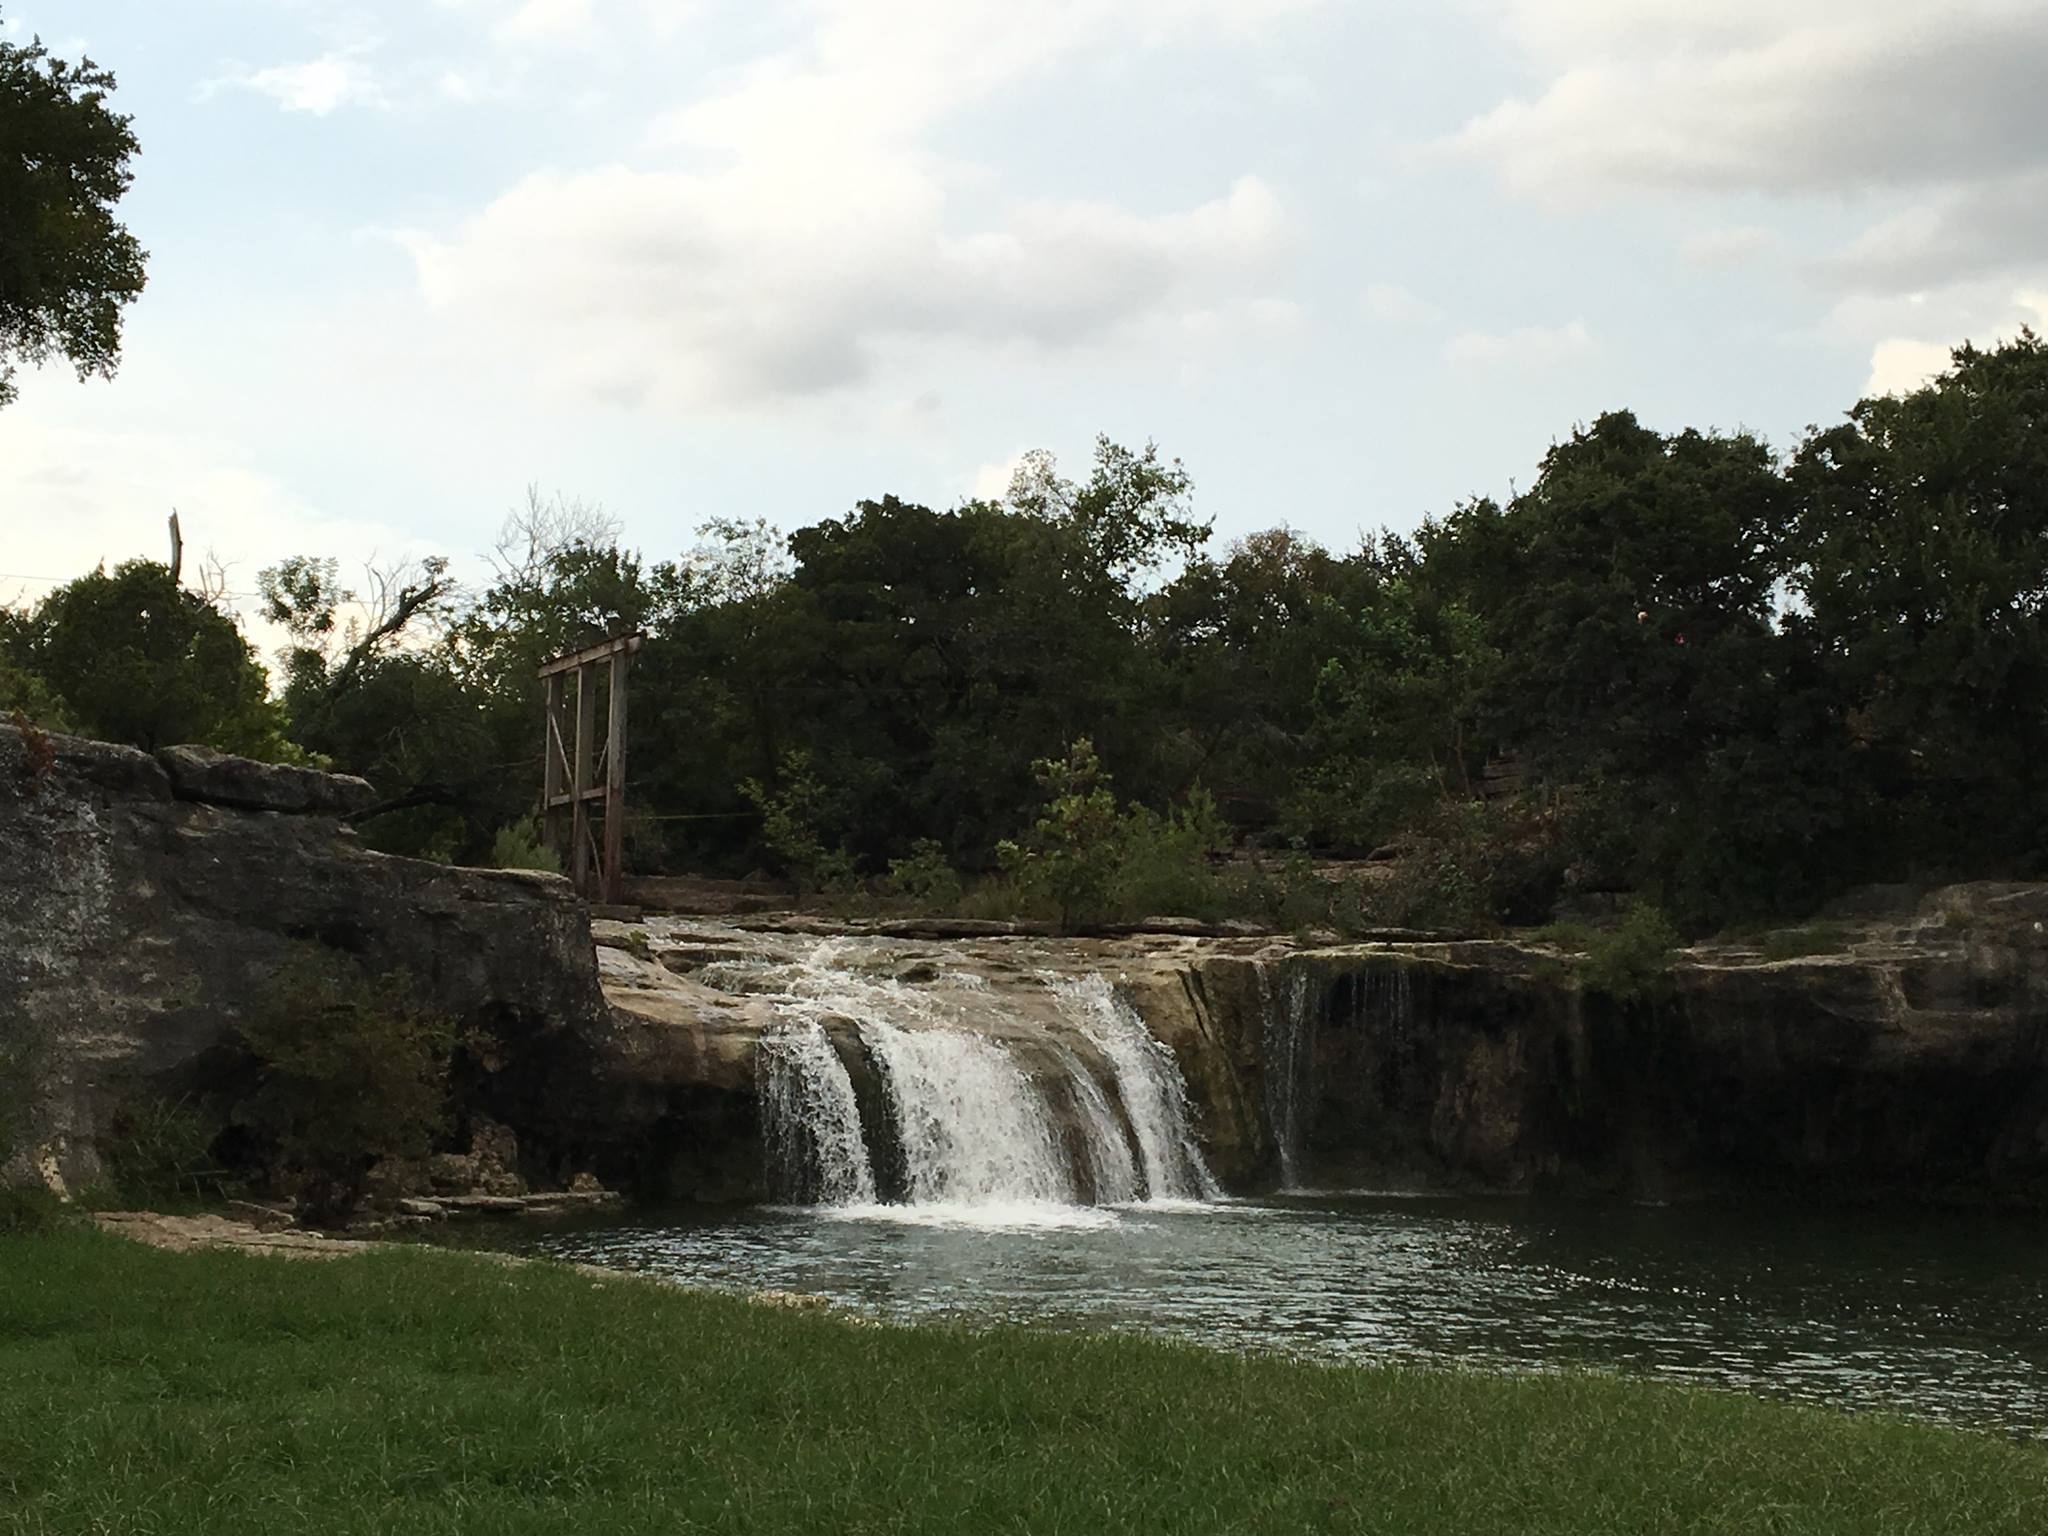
x,y
1675,666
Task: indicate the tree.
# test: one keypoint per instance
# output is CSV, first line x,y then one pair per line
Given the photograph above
x,y
1921,544
136,658
67,267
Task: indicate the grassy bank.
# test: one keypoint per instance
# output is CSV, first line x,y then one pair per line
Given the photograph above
x,y
428,1392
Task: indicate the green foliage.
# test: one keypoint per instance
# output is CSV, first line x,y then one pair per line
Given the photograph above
x,y
29,1208
519,847
1085,862
1071,855
1632,959
159,1152
791,811
136,658
68,268
349,1071
1164,864
927,877
1672,665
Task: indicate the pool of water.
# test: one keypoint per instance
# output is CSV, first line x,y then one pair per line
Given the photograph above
x,y
1941,1316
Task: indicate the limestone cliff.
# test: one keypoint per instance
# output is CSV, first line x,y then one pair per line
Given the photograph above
x,y
145,900
1910,1062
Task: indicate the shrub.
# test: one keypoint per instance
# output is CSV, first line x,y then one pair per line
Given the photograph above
x,y
791,811
350,1071
1163,862
159,1151
927,877
1070,855
518,847
1633,958
28,1208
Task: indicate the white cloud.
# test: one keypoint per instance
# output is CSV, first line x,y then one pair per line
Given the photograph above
x,y
702,292
1926,119
1720,249
1800,96
1392,304
546,21
813,231
1998,225
78,496
1900,365
991,481
1529,346
319,86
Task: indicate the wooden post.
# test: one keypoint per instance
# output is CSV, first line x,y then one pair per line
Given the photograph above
x,y
586,745
615,780
554,820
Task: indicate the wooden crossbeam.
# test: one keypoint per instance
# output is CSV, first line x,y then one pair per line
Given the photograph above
x,y
604,650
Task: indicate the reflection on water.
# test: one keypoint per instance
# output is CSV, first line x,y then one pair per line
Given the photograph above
x,y
1934,1315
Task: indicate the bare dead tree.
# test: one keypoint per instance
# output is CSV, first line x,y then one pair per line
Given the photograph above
x,y
543,527
396,597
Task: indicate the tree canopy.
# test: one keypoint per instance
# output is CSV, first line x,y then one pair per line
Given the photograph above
x,y
68,267
1676,668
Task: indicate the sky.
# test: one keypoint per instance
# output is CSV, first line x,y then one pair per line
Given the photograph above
x,y
1352,262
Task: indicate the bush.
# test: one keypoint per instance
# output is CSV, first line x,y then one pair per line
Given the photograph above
x,y
1069,857
927,877
160,1151
1632,959
28,1208
1086,862
350,1071
518,847
791,811
1163,863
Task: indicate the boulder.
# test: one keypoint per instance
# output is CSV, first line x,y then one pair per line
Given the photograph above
x,y
214,778
137,927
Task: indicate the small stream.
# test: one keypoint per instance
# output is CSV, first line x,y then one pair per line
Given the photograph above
x,y
1936,1316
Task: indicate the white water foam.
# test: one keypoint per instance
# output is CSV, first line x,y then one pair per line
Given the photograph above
x,y
1149,1082
972,1127
1111,1168
810,1119
989,1215
1289,1051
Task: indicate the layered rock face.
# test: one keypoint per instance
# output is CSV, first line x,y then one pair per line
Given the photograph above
x,y
1911,1063
145,902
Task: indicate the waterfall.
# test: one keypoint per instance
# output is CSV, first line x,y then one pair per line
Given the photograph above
x,y
985,1103
974,1130
1289,1060
1149,1082
1112,1169
810,1119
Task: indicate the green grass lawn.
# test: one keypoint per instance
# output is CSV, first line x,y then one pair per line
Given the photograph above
x,y
421,1391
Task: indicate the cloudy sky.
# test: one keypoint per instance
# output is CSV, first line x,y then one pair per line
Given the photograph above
x,y
1353,260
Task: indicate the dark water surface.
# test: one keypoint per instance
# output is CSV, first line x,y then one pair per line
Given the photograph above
x,y
1940,1316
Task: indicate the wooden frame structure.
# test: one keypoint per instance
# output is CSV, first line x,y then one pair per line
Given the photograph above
x,y
581,774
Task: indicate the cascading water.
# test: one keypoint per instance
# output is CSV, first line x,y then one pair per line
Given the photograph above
x,y
810,1119
1112,1169
992,1103
973,1129
1289,1051
1149,1082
